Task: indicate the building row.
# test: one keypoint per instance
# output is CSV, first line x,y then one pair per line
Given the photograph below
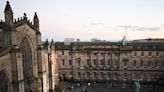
x,y
141,60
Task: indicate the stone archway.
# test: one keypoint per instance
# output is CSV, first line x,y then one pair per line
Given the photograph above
x,y
3,81
26,51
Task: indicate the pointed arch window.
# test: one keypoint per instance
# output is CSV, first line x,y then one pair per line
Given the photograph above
x,y
27,58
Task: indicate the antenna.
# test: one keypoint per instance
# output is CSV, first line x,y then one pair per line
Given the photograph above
x,y
126,30
124,40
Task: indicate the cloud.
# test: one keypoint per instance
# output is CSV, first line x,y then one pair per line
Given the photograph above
x,y
136,28
96,24
148,29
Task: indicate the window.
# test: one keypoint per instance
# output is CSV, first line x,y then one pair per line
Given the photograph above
x,y
88,54
149,64
78,62
125,76
116,62
134,63
102,54
126,54
95,54
88,63
109,62
125,62
116,54
142,53
157,53
102,75
95,62
63,63
109,75
70,53
141,63
135,53
26,58
70,62
149,53
88,75
156,63
95,75
108,54
102,62
115,75
134,76
78,74
62,52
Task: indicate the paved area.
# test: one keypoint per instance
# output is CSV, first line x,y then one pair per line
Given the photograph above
x,y
116,89
106,88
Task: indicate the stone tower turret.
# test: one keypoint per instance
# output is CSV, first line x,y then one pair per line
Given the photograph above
x,y
8,14
36,21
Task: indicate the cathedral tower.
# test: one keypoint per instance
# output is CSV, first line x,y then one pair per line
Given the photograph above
x,y
8,14
36,21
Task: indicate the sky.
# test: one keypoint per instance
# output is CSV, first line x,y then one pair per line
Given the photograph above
x,y
87,19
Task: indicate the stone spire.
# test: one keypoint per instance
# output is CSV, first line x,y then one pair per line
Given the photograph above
x,y
8,14
36,22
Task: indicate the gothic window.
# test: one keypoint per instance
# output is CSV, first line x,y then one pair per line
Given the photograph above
x,y
27,58
4,81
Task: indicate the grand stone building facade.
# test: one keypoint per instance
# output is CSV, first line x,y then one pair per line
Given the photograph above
x,y
112,62
26,65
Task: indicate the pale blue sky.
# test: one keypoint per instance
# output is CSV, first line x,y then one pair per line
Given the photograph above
x,y
86,19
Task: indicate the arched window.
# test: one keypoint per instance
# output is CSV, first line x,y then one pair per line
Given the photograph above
x,y
27,58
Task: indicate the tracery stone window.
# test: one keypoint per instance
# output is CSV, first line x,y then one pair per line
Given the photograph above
x,y
27,58
3,81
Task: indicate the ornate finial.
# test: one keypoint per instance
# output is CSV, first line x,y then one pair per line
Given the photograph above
x,y
7,2
46,43
52,42
24,16
35,15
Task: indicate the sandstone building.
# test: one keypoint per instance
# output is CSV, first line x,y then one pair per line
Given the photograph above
x,y
26,65
113,62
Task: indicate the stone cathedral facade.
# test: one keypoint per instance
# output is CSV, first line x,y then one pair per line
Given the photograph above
x,y
26,65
